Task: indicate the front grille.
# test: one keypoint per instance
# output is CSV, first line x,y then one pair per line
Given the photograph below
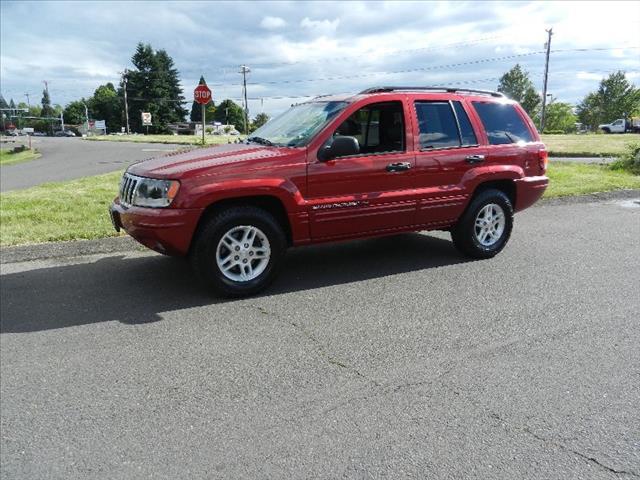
x,y
128,189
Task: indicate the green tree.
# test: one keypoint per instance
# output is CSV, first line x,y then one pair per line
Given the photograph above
x,y
517,85
106,105
3,102
12,104
154,86
560,116
230,113
615,98
47,110
74,112
196,108
259,121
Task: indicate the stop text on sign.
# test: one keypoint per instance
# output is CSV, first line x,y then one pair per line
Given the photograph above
x,y
202,94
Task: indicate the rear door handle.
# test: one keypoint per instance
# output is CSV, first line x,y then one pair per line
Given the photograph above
x,y
398,167
475,158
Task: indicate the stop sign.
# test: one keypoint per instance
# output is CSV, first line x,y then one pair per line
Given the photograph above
x,y
202,94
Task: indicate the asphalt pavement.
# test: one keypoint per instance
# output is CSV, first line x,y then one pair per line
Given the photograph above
x,y
387,358
71,158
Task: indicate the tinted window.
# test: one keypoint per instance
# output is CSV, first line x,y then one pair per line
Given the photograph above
x,y
467,135
437,125
502,123
378,127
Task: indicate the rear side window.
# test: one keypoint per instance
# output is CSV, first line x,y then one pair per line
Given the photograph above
x,y
437,123
467,135
502,123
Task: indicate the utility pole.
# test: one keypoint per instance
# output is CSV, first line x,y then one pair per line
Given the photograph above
x,y
86,115
28,102
546,76
46,88
244,70
126,105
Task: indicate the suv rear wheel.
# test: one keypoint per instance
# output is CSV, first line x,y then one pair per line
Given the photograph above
x,y
238,251
485,227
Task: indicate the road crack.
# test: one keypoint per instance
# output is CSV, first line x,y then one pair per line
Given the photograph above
x,y
563,447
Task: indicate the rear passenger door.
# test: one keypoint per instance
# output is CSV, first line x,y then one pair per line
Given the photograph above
x,y
446,147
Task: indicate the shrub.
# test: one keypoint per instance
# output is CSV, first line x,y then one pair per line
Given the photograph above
x,y
630,160
553,132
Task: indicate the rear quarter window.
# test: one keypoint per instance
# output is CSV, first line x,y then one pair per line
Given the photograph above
x,y
503,123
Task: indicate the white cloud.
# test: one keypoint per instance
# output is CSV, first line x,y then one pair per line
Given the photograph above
x,y
320,27
272,23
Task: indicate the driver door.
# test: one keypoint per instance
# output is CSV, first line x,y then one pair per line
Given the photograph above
x,y
370,191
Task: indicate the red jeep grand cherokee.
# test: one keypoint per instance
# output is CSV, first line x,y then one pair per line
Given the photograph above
x,y
387,160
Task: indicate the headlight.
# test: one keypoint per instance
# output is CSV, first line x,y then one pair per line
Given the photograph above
x,y
147,192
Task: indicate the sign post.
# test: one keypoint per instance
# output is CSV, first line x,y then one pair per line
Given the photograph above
x,y
202,95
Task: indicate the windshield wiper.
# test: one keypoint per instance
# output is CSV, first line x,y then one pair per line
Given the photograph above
x,y
261,141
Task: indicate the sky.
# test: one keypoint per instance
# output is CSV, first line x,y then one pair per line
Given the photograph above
x,y
297,49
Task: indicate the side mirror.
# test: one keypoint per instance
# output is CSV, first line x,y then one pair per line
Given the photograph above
x,y
340,147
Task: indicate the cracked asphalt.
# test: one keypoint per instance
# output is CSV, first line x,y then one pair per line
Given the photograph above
x,y
386,358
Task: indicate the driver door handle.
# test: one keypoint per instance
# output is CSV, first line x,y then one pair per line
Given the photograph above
x,y
398,167
475,158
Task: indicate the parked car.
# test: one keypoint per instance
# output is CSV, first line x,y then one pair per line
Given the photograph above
x,y
384,161
64,133
39,134
621,125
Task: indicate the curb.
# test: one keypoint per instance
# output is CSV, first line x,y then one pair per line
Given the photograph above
x,y
76,248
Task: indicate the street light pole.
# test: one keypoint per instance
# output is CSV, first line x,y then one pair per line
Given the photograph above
x,y
244,70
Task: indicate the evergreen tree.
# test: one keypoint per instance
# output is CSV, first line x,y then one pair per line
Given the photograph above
x,y
12,104
229,112
154,86
517,85
196,108
47,111
3,102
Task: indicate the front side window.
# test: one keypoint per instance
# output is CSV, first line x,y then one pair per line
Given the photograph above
x,y
502,123
378,127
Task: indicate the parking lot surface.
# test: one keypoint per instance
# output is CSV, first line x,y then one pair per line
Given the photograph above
x,y
386,358
70,158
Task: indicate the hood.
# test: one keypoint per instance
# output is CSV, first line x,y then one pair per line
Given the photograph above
x,y
200,160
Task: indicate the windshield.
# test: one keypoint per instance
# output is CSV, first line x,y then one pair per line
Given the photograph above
x,y
298,125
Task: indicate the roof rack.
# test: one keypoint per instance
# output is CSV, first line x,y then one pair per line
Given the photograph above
x,y
431,89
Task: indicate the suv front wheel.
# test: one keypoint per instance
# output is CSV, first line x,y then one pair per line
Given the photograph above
x,y
485,227
238,251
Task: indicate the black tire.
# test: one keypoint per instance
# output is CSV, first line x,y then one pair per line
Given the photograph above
x,y
204,248
606,130
463,233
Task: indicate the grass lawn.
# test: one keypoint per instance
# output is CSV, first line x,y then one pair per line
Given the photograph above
x,y
181,139
589,145
7,157
77,209
71,210
568,178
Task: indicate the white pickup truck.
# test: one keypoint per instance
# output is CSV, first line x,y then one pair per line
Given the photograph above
x,y
621,126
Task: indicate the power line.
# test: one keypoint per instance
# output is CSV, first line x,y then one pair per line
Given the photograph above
x,y
360,55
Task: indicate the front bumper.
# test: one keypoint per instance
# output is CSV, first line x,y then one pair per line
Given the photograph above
x,y
165,230
529,190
